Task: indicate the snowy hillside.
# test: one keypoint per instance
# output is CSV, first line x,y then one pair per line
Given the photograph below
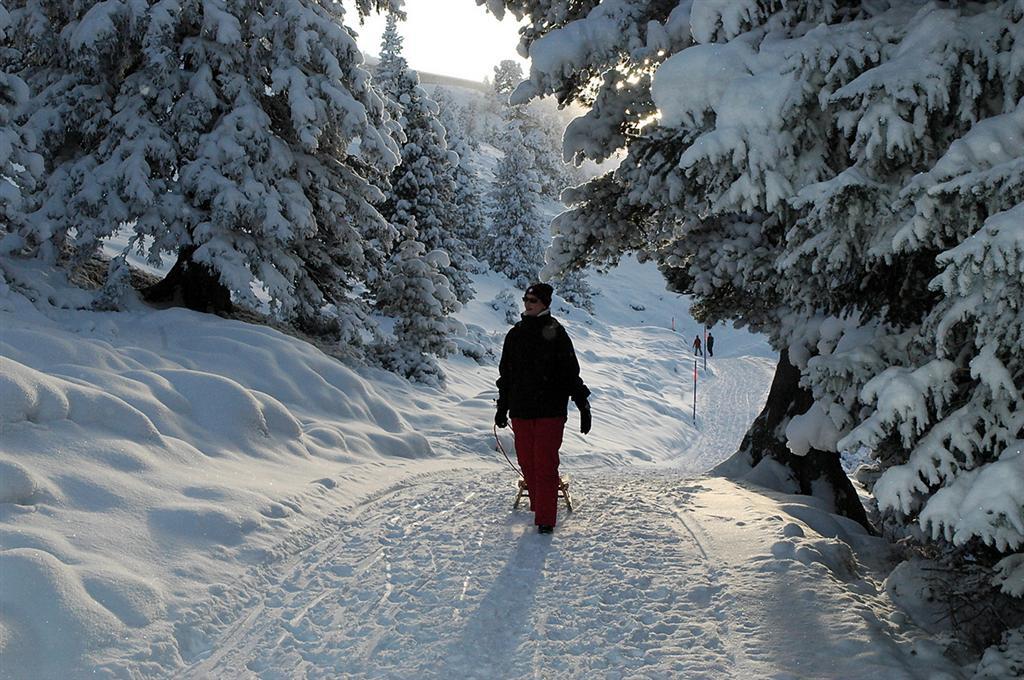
x,y
187,494
302,480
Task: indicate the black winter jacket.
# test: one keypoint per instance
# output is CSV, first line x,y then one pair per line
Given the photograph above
x,y
539,372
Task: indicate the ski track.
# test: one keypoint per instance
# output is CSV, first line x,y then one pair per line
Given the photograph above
x,y
437,576
447,569
442,579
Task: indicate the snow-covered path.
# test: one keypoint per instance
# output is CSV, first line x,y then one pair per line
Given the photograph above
x,y
651,577
242,506
727,402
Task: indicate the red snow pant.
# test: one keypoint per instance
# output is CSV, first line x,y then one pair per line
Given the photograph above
x,y
537,444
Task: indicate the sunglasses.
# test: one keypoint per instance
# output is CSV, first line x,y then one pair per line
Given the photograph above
x,y
529,299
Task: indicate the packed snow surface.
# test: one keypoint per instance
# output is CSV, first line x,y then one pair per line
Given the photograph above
x,y
183,495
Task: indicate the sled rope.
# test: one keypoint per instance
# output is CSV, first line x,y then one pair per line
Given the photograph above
x,y
502,449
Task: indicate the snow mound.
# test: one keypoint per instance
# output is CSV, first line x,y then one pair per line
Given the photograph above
x,y
45,606
17,485
205,521
144,450
1005,660
29,395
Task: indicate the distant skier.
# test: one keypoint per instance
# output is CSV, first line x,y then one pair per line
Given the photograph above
x,y
696,346
538,373
711,344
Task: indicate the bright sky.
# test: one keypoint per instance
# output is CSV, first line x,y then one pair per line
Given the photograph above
x,y
448,37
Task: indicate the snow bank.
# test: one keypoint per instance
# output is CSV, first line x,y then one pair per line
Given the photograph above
x,y
144,451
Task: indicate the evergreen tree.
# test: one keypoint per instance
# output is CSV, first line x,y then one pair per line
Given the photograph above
x,y
421,200
427,273
467,219
392,68
421,298
469,122
573,287
424,186
67,68
20,166
542,136
540,133
507,74
847,178
239,137
515,244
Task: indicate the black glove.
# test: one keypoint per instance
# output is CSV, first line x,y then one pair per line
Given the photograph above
x,y
501,417
585,419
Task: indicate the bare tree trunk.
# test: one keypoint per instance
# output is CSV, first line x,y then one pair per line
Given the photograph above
x,y
191,284
766,437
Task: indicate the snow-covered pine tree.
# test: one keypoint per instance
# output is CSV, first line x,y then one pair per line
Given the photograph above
x,y
68,55
515,244
387,75
540,132
421,199
392,67
421,299
495,105
573,287
427,272
542,138
469,122
20,166
845,177
946,412
507,303
237,136
507,75
467,219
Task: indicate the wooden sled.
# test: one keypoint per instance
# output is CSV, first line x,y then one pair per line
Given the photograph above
x,y
563,492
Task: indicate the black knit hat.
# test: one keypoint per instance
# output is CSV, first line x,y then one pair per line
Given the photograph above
x,y
542,292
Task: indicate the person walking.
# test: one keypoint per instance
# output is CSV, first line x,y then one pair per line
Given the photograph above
x,y
537,375
696,346
711,344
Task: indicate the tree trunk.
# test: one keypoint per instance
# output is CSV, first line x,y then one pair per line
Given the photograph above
x,y
191,284
766,437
